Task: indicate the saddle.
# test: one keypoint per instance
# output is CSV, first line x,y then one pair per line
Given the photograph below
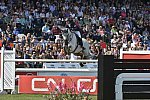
x,y
79,40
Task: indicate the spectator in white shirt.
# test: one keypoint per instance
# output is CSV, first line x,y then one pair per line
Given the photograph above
x,y
45,28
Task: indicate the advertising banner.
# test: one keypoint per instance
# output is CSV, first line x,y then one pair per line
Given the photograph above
x,y
49,84
134,54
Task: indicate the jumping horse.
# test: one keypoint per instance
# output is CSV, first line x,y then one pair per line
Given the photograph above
x,y
71,44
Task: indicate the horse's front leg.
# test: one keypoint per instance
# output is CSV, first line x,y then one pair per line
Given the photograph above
x,y
66,47
81,63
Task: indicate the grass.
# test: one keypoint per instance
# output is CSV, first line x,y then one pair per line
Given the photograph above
x,y
21,97
28,97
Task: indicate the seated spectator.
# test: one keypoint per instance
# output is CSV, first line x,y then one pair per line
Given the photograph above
x,y
52,37
122,25
43,42
45,28
55,30
49,55
33,55
114,41
135,38
27,55
8,30
34,41
145,47
10,38
62,54
23,41
16,31
108,51
43,55
140,46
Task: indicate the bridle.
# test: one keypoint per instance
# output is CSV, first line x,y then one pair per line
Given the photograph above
x,y
69,37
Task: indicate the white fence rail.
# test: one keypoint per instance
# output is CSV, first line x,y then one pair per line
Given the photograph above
x,y
49,60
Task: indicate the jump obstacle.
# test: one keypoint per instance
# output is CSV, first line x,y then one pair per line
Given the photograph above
x,y
120,79
7,68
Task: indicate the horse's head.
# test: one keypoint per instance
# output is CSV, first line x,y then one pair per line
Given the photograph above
x,y
65,33
67,37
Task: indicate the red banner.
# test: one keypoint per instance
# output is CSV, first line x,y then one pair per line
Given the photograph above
x,y
136,56
48,84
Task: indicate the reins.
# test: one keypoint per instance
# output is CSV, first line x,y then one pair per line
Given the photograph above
x,y
76,45
69,39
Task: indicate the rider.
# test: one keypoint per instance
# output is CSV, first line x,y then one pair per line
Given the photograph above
x,y
72,26
79,37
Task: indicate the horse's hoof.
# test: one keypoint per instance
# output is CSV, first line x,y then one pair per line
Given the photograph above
x,y
81,64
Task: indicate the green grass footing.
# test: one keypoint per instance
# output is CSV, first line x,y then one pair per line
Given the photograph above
x,y
29,97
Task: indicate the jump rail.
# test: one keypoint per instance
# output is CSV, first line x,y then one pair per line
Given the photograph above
x,y
49,60
51,69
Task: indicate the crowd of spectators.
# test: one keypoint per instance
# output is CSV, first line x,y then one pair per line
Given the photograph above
x,y
108,25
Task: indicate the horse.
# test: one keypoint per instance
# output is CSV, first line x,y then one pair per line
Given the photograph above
x,y
71,44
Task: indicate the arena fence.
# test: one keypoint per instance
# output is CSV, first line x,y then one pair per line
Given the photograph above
x,y
121,79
